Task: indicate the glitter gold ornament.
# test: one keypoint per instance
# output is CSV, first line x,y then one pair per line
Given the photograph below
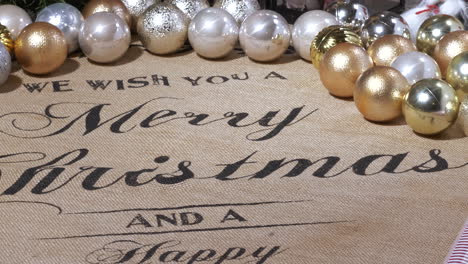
x,y
111,6
136,8
330,37
433,29
379,93
448,47
41,48
341,66
386,49
5,39
463,115
457,74
430,107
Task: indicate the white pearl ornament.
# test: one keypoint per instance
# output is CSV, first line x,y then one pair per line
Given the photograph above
x,y
14,18
416,66
213,33
264,35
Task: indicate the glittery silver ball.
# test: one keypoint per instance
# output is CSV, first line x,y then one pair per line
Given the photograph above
x,y
163,28
67,18
384,23
5,64
239,9
349,14
137,7
190,7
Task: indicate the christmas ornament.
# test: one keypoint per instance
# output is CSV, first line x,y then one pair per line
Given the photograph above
x,y
330,37
190,7
264,35
66,18
430,107
381,24
104,37
463,115
306,28
213,33
433,29
5,39
14,18
457,74
163,28
349,14
341,66
5,64
136,9
386,49
450,46
113,6
41,48
239,9
416,66
379,93
416,16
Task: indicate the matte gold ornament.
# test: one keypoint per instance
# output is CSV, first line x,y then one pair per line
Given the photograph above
x,y
430,107
457,74
463,115
6,40
448,47
433,29
136,9
112,6
41,48
328,38
386,49
379,93
341,66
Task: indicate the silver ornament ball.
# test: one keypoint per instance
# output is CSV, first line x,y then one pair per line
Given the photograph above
x,y
14,18
384,23
163,28
104,37
213,33
349,14
239,9
416,66
65,17
137,7
306,27
190,7
264,35
5,64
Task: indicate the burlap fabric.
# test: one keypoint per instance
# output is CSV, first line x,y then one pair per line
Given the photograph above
x,y
183,160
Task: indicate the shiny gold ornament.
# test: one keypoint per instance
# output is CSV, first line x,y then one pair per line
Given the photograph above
x,y
41,48
386,49
430,107
111,6
341,66
379,93
433,29
457,74
450,46
330,37
5,39
463,115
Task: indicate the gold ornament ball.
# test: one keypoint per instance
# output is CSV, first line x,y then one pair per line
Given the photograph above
x,y
433,29
341,66
330,37
457,74
379,93
386,49
6,39
463,115
41,48
430,106
137,8
111,6
450,46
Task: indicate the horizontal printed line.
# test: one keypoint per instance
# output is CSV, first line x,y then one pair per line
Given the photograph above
x,y
195,230
190,207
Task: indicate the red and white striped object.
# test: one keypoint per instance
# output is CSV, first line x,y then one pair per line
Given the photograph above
x,y
459,254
